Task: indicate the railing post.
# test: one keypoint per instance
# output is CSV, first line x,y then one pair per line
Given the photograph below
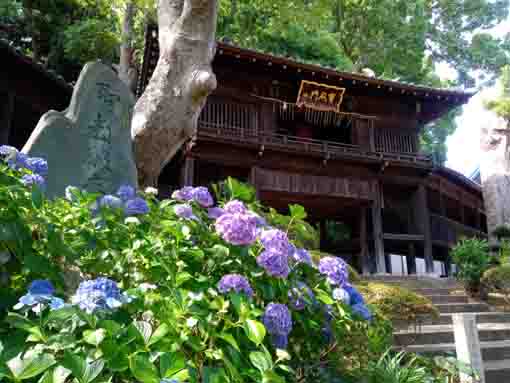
x,y
467,344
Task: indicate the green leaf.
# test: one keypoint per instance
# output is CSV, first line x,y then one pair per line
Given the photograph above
x,y
37,197
57,375
94,337
272,377
214,375
325,298
61,315
260,361
159,334
297,212
230,339
111,327
19,321
182,277
30,365
75,363
143,369
255,331
171,363
144,329
92,370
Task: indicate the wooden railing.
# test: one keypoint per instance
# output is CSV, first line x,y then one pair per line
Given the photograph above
x,y
325,149
449,231
387,140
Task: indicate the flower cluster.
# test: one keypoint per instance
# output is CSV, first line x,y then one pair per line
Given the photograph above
x,y
237,228
125,199
18,160
39,295
350,296
275,258
184,211
300,255
198,194
234,282
101,294
301,295
278,323
335,269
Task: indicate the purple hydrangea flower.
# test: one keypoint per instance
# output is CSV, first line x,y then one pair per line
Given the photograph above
x,y
99,294
335,269
33,179
37,165
185,194
17,161
235,206
300,295
184,211
280,341
237,229
259,221
363,311
278,323
7,150
275,264
202,196
136,206
215,212
275,240
341,295
235,282
110,201
300,255
126,192
355,297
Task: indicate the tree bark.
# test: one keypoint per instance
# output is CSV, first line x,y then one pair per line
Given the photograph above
x,y
166,115
126,49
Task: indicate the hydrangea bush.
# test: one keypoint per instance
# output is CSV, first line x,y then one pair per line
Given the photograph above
x,y
126,288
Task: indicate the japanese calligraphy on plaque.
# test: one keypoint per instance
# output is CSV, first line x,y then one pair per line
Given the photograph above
x,y
320,96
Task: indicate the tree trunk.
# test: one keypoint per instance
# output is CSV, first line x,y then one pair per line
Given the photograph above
x,y
126,48
166,115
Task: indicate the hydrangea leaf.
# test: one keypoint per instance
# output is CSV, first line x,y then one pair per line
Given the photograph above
x,y
61,315
144,329
30,366
94,337
260,361
57,375
230,340
143,369
297,212
324,297
272,377
171,363
92,370
255,331
159,334
181,278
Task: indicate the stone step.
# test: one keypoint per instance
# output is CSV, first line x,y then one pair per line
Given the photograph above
x,y
497,372
491,351
481,317
437,334
450,308
439,299
437,291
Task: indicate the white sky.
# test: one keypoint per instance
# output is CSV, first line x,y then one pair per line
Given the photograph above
x,y
463,145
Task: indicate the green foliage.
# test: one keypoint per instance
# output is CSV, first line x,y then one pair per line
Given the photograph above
x,y
501,105
502,231
396,369
497,280
472,259
397,303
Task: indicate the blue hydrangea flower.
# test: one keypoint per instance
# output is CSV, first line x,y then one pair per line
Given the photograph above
x,y
362,311
40,293
33,179
169,381
275,240
259,221
56,303
184,211
275,264
341,295
110,201
335,269
235,206
17,161
300,255
278,323
215,212
355,296
136,206
202,196
185,194
237,229
234,282
7,150
37,165
301,295
126,192
101,294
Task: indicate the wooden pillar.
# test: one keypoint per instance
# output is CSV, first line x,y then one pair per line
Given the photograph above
x,y
387,262
188,172
364,256
378,231
411,259
422,218
6,118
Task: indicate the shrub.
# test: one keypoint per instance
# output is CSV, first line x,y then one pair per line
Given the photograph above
x,y
497,280
472,259
397,303
502,231
172,289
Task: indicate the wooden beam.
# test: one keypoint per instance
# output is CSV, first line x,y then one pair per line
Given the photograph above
x,y
363,238
378,231
422,221
188,172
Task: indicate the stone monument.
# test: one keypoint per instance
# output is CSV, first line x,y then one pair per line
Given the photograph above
x,y
89,144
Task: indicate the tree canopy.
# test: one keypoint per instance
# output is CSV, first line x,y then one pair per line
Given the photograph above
x,y
398,39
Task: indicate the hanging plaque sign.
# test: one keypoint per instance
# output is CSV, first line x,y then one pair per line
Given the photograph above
x,y
320,96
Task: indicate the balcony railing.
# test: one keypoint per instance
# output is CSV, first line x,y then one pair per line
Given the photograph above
x,y
449,231
326,149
